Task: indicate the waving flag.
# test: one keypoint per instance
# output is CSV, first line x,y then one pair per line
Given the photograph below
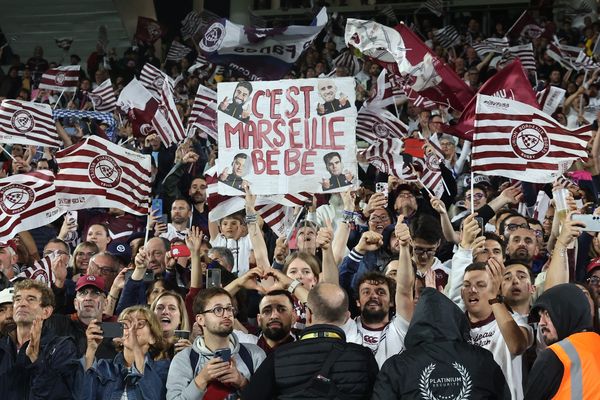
x,y
435,6
177,51
373,125
153,78
525,27
490,45
585,62
510,82
28,201
387,90
550,98
41,272
386,156
61,78
404,53
103,97
148,30
171,115
428,169
562,53
27,123
348,60
99,173
258,53
204,111
447,36
190,25
524,53
516,140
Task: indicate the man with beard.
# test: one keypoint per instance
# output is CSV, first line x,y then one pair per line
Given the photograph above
x,y
521,246
216,365
327,89
35,365
89,303
236,109
339,177
374,328
569,367
181,212
321,365
197,195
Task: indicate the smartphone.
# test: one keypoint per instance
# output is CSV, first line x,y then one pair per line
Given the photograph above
x,y
213,278
182,334
112,329
481,225
592,222
157,206
148,275
71,216
223,354
382,187
180,250
164,219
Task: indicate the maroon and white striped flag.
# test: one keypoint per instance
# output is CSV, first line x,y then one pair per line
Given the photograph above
x,y
447,36
174,126
27,123
177,51
489,45
278,211
386,91
28,201
153,78
562,53
525,27
386,156
523,52
550,98
428,169
103,97
200,62
41,272
190,25
373,124
348,59
61,78
516,140
99,173
204,111
418,100
585,62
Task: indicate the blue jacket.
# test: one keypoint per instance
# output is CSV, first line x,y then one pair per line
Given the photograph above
x,y
108,379
134,293
355,265
50,377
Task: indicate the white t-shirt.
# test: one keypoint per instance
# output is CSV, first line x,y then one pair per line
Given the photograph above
x,y
489,337
240,248
384,343
173,233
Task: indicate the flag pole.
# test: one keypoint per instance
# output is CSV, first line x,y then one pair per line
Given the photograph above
x,y
585,74
59,97
7,153
147,227
425,187
472,184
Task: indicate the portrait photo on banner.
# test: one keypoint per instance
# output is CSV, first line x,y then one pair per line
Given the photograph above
x,y
287,136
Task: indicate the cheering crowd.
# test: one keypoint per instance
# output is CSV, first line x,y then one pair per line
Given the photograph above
x,y
490,290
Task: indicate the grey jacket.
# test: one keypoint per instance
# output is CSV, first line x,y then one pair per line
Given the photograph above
x,y
180,381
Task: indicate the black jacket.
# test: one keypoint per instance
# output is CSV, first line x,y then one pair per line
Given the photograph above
x,y
438,361
570,313
51,377
287,372
64,325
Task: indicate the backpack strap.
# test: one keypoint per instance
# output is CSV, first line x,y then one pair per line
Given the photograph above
x,y
246,358
194,357
335,352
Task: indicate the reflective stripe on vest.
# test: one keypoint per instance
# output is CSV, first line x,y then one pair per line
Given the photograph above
x,y
575,375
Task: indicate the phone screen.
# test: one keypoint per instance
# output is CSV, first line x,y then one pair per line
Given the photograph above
x,y
213,278
112,329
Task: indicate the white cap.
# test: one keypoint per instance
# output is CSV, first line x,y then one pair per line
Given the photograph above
x,y
6,296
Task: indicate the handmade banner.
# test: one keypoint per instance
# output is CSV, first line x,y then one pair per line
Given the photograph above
x,y
286,136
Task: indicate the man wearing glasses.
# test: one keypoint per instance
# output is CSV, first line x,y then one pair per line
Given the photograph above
x,y
593,279
216,365
105,265
89,302
32,364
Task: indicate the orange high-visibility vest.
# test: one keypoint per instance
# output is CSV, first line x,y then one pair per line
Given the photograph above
x,y
580,356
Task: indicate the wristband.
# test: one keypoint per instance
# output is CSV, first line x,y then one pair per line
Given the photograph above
x,y
251,218
295,283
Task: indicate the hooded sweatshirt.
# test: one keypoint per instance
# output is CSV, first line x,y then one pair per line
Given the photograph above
x,y
570,313
438,361
180,382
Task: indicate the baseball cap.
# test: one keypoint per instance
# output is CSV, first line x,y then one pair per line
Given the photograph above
x,y
11,243
121,250
6,296
595,263
90,280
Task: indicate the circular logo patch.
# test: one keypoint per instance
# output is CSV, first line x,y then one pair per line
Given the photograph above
x,y
158,82
59,78
146,129
97,100
22,121
39,275
213,37
15,198
380,164
105,172
121,248
381,130
432,161
530,141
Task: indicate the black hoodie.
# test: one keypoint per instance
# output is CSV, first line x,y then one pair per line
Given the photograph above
x,y
570,313
438,361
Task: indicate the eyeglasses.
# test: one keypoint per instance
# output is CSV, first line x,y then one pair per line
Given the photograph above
x,y
82,254
476,196
379,219
28,299
139,324
220,310
514,227
90,292
538,232
107,271
594,280
420,251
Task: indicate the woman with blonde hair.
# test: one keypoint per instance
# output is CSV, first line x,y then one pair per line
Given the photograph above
x,y
170,310
139,370
81,258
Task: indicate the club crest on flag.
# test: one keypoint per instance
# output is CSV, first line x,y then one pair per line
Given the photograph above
x,y
530,141
15,198
40,275
105,172
22,121
213,37
146,129
154,29
159,80
60,78
381,130
432,161
97,100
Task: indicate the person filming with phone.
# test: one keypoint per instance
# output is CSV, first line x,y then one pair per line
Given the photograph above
x,y
217,365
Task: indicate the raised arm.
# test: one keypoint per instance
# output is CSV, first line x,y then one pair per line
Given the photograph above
x,y
342,233
254,232
194,242
330,268
558,270
449,233
405,277
511,194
